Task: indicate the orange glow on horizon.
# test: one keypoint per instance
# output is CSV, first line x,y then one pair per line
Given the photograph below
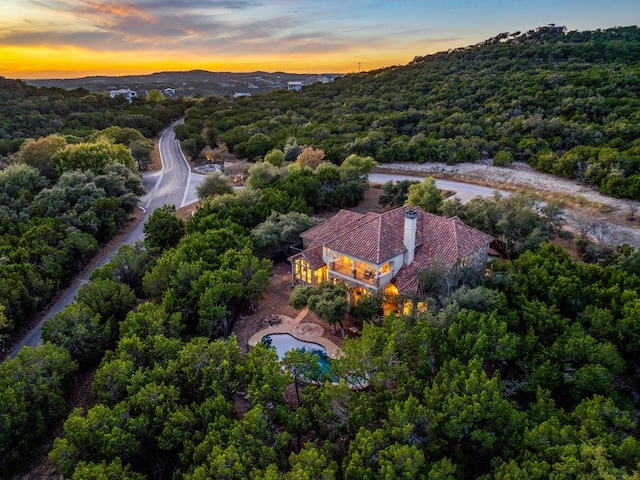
x,y
74,62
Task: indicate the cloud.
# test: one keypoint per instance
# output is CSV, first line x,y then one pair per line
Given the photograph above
x,y
211,28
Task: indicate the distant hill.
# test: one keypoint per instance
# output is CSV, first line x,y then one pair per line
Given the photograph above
x,y
567,102
197,83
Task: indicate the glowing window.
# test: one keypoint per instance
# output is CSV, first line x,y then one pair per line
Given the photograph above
x,y
303,271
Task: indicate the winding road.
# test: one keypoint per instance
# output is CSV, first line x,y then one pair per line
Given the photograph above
x,y
173,185
176,185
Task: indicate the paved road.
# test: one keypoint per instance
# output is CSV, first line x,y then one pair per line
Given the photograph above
x,y
464,191
176,185
173,185
467,191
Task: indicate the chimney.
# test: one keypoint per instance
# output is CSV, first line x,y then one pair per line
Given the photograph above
x,y
409,239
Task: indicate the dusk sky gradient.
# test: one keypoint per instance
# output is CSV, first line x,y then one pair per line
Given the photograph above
x,y
75,38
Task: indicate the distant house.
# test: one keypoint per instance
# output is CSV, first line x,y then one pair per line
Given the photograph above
x,y
385,252
296,86
241,94
125,92
169,92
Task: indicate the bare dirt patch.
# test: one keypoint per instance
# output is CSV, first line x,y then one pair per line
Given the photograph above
x,y
275,302
156,162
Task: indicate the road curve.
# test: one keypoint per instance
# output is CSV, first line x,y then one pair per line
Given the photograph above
x,y
173,185
464,191
467,191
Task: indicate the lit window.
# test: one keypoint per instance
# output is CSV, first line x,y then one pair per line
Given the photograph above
x,y
303,271
408,306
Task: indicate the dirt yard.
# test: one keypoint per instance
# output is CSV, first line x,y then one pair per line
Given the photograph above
x,y
275,302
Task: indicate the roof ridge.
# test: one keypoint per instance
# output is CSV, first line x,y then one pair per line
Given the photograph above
x,y
350,231
378,246
455,236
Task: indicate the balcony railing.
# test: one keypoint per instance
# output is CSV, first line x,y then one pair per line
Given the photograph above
x,y
360,274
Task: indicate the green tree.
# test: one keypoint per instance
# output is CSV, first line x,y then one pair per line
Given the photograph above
x,y
266,382
356,169
80,331
518,221
164,229
4,323
32,392
273,237
38,153
503,158
302,366
103,471
155,96
128,265
368,307
241,279
214,184
92,156
470,420
275,157
425,195
311,463
394,194
258,145
263,174
327,300
291,150
19,185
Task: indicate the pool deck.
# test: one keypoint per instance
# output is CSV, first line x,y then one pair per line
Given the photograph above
x,y
309,332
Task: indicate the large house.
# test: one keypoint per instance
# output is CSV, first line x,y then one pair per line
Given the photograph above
x,y
385,252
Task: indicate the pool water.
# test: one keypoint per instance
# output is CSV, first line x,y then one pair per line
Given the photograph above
x,y
285,342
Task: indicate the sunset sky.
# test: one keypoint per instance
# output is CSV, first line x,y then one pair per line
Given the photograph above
x,y
75,38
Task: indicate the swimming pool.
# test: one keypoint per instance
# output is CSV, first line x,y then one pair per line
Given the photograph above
x,y
285,342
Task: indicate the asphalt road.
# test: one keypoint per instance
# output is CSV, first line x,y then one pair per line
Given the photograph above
x,y
464,191
173,185
176,185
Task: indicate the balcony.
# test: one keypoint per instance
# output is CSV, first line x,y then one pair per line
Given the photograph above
x,y
361,274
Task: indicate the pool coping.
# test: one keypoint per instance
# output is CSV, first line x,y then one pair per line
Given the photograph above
x,y
290,325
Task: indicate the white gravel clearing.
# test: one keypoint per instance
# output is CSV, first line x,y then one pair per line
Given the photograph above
x,y
517,175
521,175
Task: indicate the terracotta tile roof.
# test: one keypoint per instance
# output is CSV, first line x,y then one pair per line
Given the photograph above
x,y
445,241
376,238
338,223
313,257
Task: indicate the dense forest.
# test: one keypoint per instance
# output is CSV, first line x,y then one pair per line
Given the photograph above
x,y
529,372
70,180
28,112
566,102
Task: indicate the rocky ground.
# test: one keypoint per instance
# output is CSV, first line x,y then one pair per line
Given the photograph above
x,y
583,203
517,175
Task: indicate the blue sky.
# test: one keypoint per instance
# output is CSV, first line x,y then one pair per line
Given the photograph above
x,y
72,38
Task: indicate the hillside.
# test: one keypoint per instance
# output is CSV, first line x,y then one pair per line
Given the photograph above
x,y
566,102
528,369
198,83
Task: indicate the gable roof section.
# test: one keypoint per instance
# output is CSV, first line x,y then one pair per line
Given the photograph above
x,y
375,237
329,228
445,241
313,256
